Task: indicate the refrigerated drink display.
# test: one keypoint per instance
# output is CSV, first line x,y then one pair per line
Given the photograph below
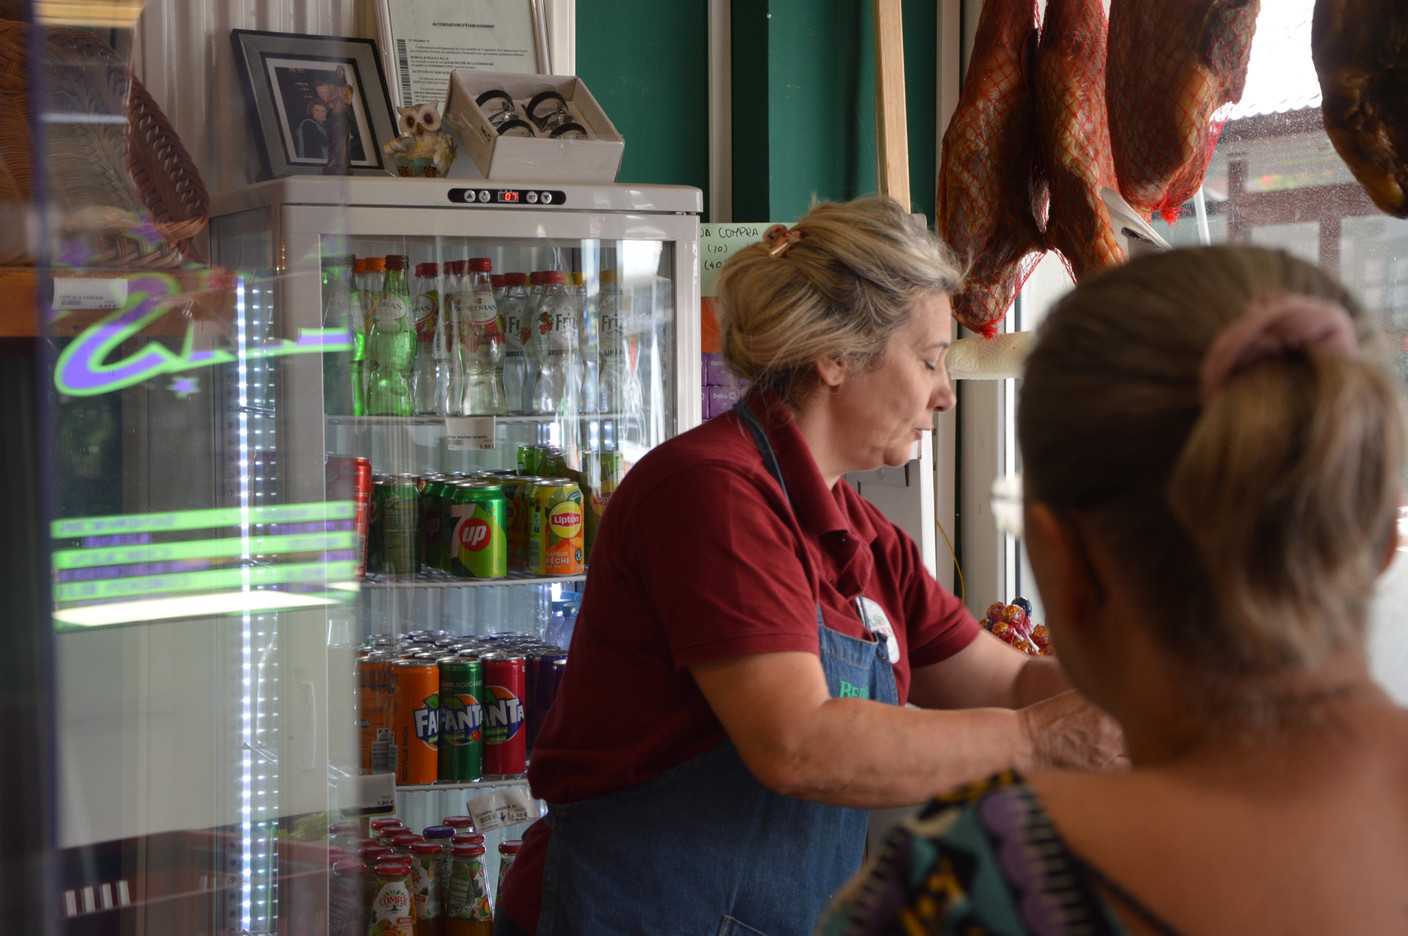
x,y
391,346
449,365
554,336
482,342
513,311
425,310
613,345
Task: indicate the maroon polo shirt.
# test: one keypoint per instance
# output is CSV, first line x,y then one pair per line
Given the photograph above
x,y
701,557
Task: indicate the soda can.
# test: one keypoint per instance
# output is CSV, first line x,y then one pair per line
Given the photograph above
x,y
517,505
505,754
527,457
555,531
601,473
395,524
541,687
376,693
480,543
432,488
461,719
351,478
416,721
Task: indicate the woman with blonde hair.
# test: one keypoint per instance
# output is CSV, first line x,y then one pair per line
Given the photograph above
x,y
1213,458
751,628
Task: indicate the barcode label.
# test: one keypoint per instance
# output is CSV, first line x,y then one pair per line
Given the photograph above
x,y
403,65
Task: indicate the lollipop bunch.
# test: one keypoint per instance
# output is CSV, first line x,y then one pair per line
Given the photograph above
x,y
1013,624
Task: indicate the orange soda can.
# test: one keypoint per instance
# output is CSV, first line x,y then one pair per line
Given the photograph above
x,y
376,689
555,537
415,719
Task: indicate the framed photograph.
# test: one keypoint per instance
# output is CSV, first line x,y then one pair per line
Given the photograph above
x,y
422,41
319,103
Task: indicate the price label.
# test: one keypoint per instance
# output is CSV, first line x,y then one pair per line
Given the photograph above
x,y
367,794
86,292
504,807
469,433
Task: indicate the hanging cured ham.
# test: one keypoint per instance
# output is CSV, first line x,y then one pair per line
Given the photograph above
x,y
989,197
1073,134
1171,65
1360,50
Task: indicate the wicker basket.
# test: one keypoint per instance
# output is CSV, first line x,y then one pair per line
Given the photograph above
x,y
120,193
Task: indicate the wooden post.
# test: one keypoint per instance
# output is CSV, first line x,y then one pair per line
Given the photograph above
x,y
892,149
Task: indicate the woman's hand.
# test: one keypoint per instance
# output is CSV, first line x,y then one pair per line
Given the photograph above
x,y
1069,731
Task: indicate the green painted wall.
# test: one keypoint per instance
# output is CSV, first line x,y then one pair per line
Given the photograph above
x,y
803,96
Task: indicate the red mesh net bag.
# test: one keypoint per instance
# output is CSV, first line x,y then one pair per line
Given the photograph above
x,y
990,196
1073,135
1172,64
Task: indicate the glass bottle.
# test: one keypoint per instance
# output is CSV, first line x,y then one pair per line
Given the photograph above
x,y
555,338
613,344
482,343
468,910
340,396
391,346
513,311
449,366
425,310
586,342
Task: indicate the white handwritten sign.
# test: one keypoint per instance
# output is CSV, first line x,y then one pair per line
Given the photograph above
x,y
718,242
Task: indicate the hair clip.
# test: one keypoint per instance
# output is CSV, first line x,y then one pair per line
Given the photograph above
x,y
779,239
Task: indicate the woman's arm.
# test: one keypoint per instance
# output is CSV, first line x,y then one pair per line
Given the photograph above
x,y
798,740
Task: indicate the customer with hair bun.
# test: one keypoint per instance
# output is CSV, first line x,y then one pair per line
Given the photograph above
x,y
751,628
1213,450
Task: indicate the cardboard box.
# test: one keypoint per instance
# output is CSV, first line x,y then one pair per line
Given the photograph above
x,y
533,159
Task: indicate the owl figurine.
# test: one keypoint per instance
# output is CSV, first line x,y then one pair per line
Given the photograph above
x,y
422,149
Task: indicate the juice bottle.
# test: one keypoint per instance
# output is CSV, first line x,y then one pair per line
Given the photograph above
x,y
467,909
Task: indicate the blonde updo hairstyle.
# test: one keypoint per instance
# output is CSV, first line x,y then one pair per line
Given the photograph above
x,y
839,292
1257,524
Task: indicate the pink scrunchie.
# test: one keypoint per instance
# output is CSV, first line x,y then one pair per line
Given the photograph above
x,y
1275,325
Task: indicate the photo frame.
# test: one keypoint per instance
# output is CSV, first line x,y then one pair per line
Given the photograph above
x,y
319,104
423,41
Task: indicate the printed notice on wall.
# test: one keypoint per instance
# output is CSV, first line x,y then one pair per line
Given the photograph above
x,y
423,41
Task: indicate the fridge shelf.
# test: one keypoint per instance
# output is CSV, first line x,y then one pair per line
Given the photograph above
x,y
468,785
400,421
424,580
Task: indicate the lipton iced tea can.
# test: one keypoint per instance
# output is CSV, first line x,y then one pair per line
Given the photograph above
x,y
376,692
461,719
601,473
555,545
505,753
416,721
479,540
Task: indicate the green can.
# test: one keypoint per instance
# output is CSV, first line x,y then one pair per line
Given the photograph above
x,y
601,473
461,718
530,457
518,497
395,524
478,537
431,486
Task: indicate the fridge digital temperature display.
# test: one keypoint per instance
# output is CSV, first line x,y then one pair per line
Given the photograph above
x,y
507,197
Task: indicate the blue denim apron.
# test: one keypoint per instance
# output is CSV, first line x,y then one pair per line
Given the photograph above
x,y
704,848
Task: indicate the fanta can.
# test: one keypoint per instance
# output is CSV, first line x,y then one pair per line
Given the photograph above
x,y
505,731
416,721
461,718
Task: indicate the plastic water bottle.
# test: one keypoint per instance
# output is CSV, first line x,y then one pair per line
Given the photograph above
x,y
555,336
586,342
425,310
339,398
513,309
482,343
391,346
613,344
445,347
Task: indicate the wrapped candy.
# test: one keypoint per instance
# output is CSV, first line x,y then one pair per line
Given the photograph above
x,y
1024,604
995,611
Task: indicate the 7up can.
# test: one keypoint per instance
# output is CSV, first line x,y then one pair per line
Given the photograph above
x,y
461,718
478,540
555,528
